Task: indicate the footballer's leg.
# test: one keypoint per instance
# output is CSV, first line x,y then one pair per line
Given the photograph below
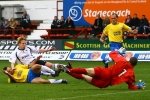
x,y
49,70
87,78
56,73
90,72
50,65
69,65
38,68
49,81
66,68
54,66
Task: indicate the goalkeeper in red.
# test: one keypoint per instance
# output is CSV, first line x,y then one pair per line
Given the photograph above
x,y
121,71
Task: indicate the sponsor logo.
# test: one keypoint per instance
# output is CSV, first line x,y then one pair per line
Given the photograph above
x,y
95,55
59,52
69,45
39,44
75,13
53,55
61,57
142,56
85,56
93,13
80,55
29,42
105,56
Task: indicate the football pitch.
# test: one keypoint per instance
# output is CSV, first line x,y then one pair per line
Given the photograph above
x,y
75,89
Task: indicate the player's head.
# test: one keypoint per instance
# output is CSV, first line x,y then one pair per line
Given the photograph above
x,y
21,41
25,12
98,15
8,69
114,18
133,61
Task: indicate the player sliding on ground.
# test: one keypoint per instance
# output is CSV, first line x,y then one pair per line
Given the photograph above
x,y
22,74
121,71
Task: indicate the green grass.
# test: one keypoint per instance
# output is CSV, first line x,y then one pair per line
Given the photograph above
x,y
75,89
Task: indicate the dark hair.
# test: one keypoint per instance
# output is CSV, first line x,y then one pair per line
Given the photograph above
x,y
115,14
133,61
5,68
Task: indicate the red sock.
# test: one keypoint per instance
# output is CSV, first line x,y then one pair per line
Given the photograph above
x,y
78,76
78,70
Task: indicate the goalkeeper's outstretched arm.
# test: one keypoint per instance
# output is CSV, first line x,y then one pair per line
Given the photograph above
x,y
140,85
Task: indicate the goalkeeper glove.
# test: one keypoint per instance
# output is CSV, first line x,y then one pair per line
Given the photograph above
x,y
122,51
141,85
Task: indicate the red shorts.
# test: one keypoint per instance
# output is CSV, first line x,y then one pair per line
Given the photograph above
x,y
102,77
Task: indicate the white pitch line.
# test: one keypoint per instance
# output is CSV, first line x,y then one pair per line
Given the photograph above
x,y
98,95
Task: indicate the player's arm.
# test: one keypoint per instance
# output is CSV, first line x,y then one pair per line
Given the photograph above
x,y
47,50
13,59
33,49
131,84
135,87
103,36
12,79
115,56
12,65
133,31
128,29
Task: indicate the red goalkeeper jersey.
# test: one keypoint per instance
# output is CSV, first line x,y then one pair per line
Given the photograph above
x,y
122,71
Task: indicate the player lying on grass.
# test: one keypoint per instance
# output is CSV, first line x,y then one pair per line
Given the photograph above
x,y
22,74
121,71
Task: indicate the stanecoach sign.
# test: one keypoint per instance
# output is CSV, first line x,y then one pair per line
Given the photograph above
x,y
44,44
84,12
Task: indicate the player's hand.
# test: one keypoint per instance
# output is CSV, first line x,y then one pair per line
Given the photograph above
x,y
51,49
40,56
13,70
141,85
4,71
122,51
103,41
134,31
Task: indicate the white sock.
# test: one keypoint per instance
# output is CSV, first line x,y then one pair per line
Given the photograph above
x,y
47,69
55,81
58,66
55,66
45,73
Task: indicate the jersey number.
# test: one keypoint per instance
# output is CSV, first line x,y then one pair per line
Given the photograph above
x,y
124,71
